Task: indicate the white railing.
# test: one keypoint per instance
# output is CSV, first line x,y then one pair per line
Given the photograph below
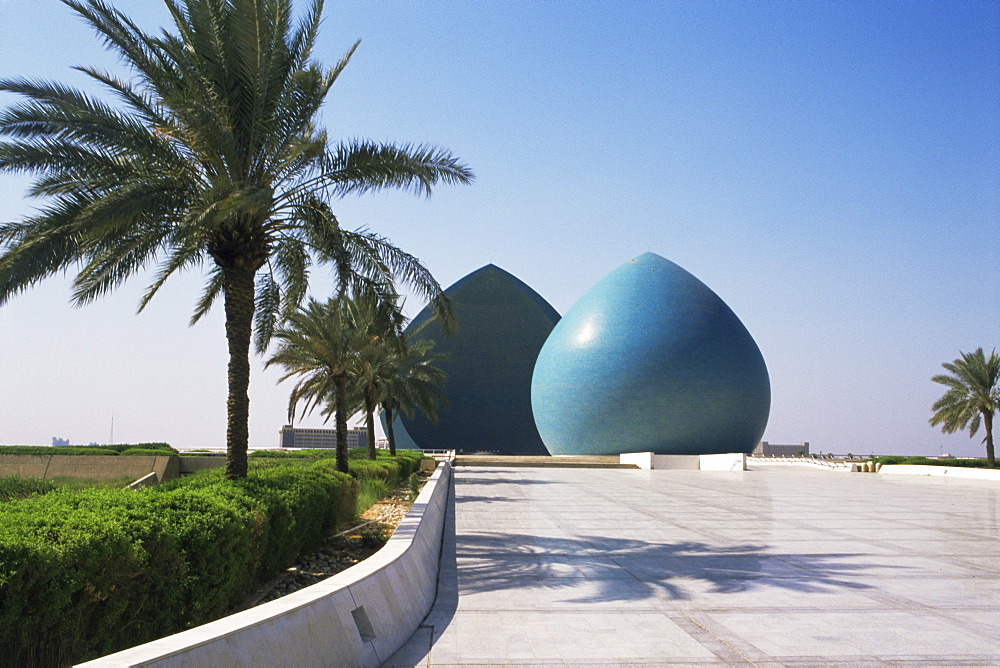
x,y
440,455
800,459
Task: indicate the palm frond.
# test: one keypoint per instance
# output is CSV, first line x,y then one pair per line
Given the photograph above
x,y
213,288
973,393
207,150
363,166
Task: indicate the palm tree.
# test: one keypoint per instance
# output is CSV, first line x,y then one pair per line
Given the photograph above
x,y
369,386
210,159
382,339
412,382
322,343
973,396
386,370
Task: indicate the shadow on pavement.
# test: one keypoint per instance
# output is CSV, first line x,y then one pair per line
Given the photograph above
x,y
489,562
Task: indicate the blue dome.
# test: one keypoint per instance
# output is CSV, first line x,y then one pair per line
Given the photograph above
x,y
502,324
650,360
399,433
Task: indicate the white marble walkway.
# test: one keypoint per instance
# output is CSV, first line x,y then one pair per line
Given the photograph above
x,y
761,568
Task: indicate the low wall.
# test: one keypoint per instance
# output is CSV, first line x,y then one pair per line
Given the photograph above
x,y
103,467
648,460
950,471
193,464
359,617
733,461
95,467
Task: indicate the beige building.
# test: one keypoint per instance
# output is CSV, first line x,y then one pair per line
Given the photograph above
x,y
765,448
297,437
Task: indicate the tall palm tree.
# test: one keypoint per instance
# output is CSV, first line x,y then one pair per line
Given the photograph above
x,y
382,338
209,157
368,387
411,381
973,396
387,371
323,343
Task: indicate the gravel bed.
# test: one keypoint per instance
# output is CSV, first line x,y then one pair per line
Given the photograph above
x,y
371,531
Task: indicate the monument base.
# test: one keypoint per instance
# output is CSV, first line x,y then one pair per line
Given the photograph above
x,y
733,461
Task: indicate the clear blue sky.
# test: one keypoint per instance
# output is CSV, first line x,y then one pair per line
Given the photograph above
x,y
830,169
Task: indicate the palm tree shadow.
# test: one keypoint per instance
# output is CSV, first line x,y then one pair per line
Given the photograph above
x,y
484,562
674,570
477,563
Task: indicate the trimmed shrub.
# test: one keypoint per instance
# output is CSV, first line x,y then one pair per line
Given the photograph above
x,y
86,573
400,467
145,452
385,470
59,450
312,453
30,449
16,487
348,490
924,461
297,507
412,459
121,448
164,447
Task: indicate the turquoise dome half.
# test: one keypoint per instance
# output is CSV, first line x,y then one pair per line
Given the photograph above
x,y
502,324
650,360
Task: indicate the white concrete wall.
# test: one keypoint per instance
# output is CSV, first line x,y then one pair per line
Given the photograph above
x,y
647,460
317,626
733,461
643,460
677,462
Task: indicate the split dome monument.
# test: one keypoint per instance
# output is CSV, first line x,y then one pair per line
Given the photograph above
x,y
501,325
649,359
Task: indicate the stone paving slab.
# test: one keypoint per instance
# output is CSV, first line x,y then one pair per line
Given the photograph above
x,y
781,567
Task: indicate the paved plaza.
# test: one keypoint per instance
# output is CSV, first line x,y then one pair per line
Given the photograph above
x,y
779,567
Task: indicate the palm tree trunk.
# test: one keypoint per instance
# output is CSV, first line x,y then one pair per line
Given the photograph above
x,y
370,424
239,297
390,434
988,423
340,401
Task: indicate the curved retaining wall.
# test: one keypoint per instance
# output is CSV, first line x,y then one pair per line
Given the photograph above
x,y
359,617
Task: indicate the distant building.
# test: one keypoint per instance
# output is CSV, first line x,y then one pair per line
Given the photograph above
x,y
56,441
296,437
765,448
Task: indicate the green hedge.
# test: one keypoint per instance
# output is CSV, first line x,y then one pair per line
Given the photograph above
x,y
392,470
323,453
86,573
144,452
124,447
924,461
60,450
314,453
15,487
153,448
